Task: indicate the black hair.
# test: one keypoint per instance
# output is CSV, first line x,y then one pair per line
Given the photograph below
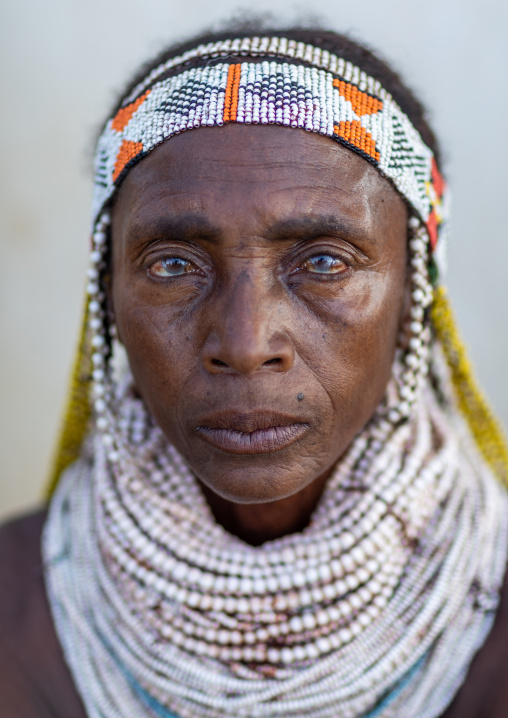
x,y
339,44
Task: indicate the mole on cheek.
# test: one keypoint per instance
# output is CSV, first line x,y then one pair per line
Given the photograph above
x,y
300,397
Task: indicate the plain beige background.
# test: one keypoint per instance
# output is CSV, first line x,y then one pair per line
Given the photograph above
x,y
62,64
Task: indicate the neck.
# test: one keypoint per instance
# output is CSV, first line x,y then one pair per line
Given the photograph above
x,y
257,523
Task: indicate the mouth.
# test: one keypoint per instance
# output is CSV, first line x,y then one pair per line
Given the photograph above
x,y
257,432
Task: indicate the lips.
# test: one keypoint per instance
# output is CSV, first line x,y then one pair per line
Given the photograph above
x,y
258,432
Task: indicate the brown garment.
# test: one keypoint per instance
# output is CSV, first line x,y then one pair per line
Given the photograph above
x,y
36,683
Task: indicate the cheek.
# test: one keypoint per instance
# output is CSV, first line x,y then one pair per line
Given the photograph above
x,y
359,329
160,349
372,314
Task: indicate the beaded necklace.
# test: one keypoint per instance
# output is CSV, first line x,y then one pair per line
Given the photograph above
x,y
377,608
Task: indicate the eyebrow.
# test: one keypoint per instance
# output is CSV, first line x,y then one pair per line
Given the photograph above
x,y
310,227
184,227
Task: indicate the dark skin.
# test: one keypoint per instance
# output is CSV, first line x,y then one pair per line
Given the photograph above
x,y
288,311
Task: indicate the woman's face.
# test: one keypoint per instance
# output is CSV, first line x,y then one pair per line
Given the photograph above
x,y
259,284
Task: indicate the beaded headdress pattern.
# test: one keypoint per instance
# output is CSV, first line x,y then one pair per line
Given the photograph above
x,y
331,97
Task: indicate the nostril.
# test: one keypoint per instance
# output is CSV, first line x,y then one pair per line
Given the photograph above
x,y
275,360
218,362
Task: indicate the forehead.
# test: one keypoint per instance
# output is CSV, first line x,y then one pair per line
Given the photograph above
x,y
262,172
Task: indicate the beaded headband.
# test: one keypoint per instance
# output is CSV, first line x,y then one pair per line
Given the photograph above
x,y
304,87
331,97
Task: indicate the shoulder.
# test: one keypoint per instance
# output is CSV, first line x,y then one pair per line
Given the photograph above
x,y
484,693
20,561
21,581
34,680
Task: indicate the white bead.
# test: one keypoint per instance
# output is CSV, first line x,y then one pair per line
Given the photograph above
x,y
273,655
100,405
323,645
296,624
300,654
309,621
299,578
286,655
322,618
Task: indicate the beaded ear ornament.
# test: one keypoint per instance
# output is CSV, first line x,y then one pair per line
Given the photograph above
x,y
302,87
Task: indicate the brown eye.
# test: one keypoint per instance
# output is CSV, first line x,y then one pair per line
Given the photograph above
x,y
171,267
324,264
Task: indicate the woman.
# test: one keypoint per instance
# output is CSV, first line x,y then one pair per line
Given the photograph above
x,y
287,501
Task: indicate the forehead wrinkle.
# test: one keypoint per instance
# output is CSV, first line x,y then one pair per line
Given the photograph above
x,y
332,183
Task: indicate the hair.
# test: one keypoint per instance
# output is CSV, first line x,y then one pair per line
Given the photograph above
x,y
339,44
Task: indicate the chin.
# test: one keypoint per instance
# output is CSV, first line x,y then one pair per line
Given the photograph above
x,y
254,486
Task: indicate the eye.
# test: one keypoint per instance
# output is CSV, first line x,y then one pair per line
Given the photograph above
x,y
324,264
171,267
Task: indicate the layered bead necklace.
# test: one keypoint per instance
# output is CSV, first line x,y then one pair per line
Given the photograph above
x,y
377,607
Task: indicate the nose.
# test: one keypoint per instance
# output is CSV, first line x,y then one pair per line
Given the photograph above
x,y
246,334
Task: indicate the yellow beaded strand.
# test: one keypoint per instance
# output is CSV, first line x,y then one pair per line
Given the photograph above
x,y
77,412
484,426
